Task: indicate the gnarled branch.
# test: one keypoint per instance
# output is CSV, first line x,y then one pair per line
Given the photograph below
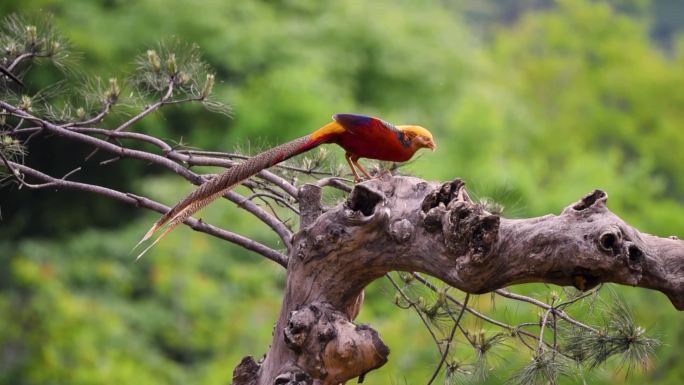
x,y
407,224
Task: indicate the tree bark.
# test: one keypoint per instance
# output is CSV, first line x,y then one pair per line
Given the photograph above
x,y
408,224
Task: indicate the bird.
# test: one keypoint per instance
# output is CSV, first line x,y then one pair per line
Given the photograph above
x,y
360,136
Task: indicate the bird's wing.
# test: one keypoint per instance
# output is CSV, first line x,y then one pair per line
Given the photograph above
x,y
368,126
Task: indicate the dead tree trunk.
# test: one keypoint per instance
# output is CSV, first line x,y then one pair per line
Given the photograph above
x,y
408,224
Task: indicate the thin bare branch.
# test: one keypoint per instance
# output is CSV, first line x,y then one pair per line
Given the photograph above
x,y
275,198
273,222
186,100
17,127
6,72
420,314
151,108
561,314
70,173
457,323
335,182
110,160
544,319
20,58
503,325
140,201
95,119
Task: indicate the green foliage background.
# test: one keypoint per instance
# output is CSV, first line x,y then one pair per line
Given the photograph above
x,y
533,103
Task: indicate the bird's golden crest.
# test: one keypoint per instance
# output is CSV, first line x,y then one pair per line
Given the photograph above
x,y
419,136
416,130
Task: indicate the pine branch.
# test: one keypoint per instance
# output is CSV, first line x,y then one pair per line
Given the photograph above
x,y
515,330
79,134
10,75
412,304
450,340
559,313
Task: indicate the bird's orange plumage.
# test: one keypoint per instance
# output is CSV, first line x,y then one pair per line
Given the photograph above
x,y
360,136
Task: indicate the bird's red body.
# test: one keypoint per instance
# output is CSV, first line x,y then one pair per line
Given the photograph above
x,y
372,138
390,150
367,137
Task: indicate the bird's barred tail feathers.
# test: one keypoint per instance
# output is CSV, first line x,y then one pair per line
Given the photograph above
x,y
222,183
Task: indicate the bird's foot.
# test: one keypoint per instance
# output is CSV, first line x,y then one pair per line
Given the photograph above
x,y
381,175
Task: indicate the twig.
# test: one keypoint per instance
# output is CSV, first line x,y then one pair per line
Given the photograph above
x,y
10,75
36,133
186,100
95,119
70,173
477,314
19,59
561,314
142,114
273,222
151,108
110,160
13,173
413,305
541,331
457,322
276,198
555,334
256,184
470,310
580,297
17,127
335,182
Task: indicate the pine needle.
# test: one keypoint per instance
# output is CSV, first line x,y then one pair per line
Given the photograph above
x,y
544,368
620,336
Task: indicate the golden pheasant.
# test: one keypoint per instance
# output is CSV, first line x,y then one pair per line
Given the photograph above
x,y
360,136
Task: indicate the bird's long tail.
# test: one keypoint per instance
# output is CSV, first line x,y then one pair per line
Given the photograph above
x,y
222,183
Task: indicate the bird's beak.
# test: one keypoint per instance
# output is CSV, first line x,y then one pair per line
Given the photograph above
x,y
431,145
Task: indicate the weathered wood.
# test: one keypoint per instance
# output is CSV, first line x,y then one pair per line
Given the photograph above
x,y
408,224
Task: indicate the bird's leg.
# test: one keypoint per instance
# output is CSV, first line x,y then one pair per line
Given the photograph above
x,y
355,160
348,156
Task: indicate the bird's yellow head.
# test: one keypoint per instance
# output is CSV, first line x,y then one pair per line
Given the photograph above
x,y
418,136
